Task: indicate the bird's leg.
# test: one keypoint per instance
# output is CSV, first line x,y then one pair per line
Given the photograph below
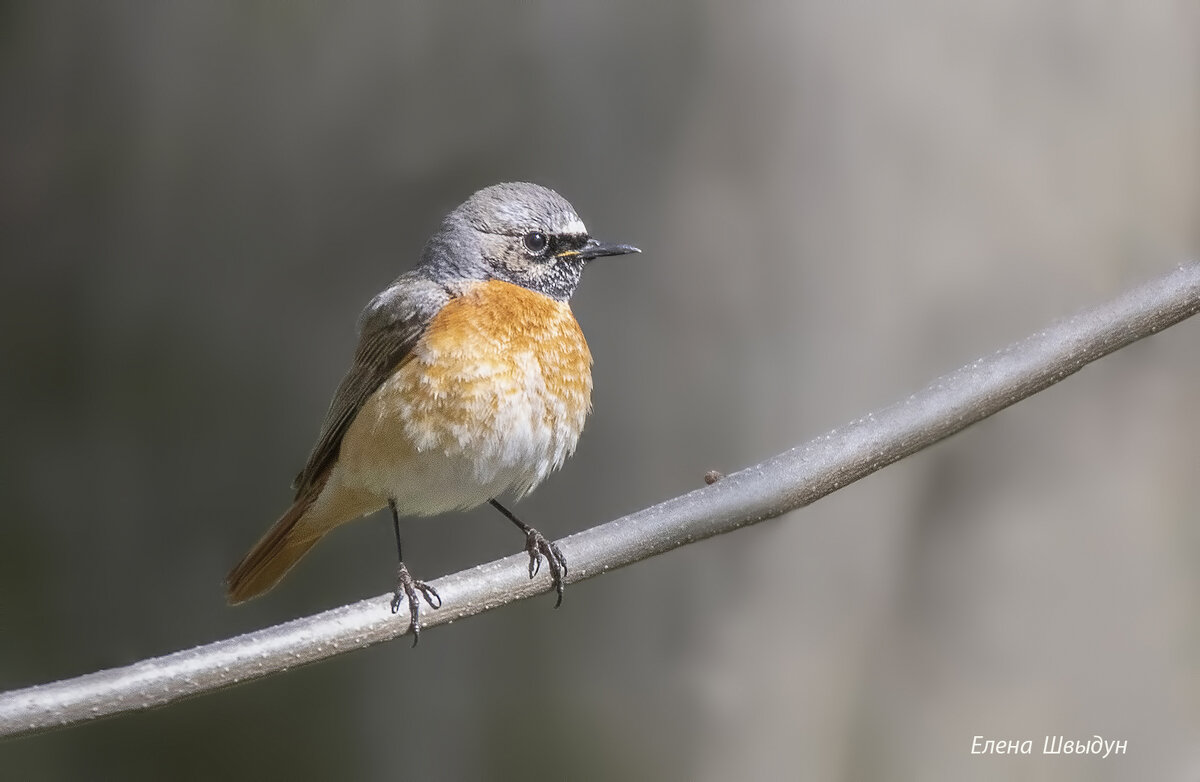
x,y
537,546
407,587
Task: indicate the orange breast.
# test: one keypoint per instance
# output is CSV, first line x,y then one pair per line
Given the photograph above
x,y
492,398
490,341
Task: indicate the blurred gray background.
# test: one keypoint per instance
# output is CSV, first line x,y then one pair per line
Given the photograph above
x,y
836,201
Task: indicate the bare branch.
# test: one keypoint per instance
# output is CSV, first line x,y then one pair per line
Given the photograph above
x,y
790,480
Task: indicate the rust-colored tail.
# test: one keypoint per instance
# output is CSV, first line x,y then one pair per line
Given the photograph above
x,y
273,556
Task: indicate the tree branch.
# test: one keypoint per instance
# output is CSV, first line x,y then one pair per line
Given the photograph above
x,y
785,482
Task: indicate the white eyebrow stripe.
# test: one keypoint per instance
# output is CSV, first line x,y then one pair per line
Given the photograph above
x,y
575,226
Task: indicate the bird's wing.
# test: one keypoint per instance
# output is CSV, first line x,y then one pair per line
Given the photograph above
x,y
390,326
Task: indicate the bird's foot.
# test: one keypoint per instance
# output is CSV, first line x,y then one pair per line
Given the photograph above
x,y
406,590
537,547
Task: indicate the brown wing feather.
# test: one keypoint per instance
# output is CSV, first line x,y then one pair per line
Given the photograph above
x,y
391,326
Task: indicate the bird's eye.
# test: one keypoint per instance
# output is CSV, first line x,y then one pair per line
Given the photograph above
x,y
535,242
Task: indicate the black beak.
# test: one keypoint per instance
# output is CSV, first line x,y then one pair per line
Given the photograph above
x,y
595,249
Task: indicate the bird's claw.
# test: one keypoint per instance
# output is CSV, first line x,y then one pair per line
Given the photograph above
x,y
538,547
406,591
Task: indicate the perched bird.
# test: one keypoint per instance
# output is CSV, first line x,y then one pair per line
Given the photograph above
x,y
471,378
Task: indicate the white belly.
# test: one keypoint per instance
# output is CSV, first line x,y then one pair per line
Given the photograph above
x,y
441,449
433,458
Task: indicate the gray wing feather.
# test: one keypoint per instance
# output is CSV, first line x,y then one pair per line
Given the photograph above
x,y
389,328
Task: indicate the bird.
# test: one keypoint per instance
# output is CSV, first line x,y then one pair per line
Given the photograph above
x,y
471,379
